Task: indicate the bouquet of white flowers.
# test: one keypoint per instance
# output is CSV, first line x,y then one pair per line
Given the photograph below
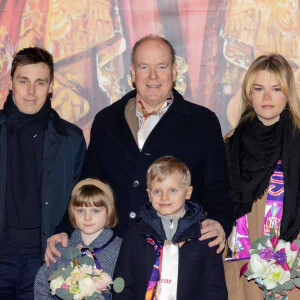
x,y
275,266
81,279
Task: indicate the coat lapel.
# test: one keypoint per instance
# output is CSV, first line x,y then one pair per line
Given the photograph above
x,y
120,132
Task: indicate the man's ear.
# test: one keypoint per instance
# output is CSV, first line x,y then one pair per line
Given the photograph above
x,y
50,90
132,72
174,72
10,84
189,193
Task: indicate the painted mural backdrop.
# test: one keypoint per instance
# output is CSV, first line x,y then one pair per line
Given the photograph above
x,y
91,41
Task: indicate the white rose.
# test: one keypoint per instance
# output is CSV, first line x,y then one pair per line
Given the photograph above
x,y
259,266
277,273
86,286
87,269
56,284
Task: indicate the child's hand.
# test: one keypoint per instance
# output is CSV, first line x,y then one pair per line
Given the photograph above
x,y
211,228
51,249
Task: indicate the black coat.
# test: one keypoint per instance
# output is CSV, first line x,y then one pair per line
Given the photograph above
x,y
200,273
64,150
187,131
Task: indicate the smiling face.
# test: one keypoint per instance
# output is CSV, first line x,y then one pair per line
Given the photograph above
x,y
30,86
168,197
90,220
267,99
153,73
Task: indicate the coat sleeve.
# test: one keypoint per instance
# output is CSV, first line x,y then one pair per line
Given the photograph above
x,y
92,167
41,283
215,198
211,284
124,269
212,276
79,154
79,159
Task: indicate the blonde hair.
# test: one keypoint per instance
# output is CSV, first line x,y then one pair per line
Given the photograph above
x,y
280,68
92,192
166,166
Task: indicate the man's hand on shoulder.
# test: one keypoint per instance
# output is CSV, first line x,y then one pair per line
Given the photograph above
x,y
51,247
211,228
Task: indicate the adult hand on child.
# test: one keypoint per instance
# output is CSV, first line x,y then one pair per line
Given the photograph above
x,y
51,249
211,228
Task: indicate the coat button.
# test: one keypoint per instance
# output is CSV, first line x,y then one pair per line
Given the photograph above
x,y
5,232
132,215
46,202
44,232
136,183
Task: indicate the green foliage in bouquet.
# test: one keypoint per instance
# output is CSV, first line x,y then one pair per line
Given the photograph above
x,y
81,279
274,265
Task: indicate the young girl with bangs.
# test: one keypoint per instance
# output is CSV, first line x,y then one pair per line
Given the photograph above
x,y
92,213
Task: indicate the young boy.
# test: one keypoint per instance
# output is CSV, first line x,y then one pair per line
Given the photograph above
x,y
161,257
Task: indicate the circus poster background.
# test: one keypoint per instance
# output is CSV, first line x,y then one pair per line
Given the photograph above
x,y
91,41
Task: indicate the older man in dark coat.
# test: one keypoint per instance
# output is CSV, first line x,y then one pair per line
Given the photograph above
x,y
152,121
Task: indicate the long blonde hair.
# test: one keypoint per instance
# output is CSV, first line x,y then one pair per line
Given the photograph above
x,y
280,68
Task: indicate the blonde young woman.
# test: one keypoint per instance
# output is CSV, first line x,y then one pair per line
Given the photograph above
x,y
265,143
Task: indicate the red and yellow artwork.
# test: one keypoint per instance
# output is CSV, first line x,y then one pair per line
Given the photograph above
x,y
91,41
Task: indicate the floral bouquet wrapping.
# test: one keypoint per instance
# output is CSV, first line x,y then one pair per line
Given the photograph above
x,y
275,266
81,279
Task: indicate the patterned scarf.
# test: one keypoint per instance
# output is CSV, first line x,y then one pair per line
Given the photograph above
x,y
239,241
147,121
154,285
252,153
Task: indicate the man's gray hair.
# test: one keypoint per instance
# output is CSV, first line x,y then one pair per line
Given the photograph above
x,y
152,37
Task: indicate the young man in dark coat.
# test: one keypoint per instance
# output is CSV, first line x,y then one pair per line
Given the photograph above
x,y
161,257
41,156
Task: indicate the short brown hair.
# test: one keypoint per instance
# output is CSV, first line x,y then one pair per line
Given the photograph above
x,y
92,192
166,166
153,37
32,56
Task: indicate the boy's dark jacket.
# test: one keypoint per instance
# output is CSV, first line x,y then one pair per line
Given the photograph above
x,y
201,274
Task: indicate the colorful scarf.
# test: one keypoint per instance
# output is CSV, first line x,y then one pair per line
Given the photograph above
x,y
240,241
147,121
154,285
